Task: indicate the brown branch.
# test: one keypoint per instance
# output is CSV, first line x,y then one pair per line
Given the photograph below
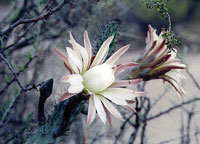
x,y
31,20
34,19
172,108
8,109
123,127
12,70
16,75
176,138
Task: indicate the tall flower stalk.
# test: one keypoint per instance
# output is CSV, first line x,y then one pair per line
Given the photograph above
x,y
95,76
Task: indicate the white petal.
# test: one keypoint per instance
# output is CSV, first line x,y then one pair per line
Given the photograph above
x,y
117,101
117,55
73,42
76,85
75,79
173,54
102,52
84,56
120,93
73,66
80,51
91,111
111,108
175,84
99,77
176,74
74,58
75,88
100,109
88,46
170,66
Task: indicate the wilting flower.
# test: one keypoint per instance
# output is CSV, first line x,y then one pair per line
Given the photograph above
x,y
158,62
96,76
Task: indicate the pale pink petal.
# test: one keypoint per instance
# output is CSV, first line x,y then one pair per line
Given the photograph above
x,y
126,83
175,85
125,66
170,66
117,55
111,108
64,79
65,96
91,111
120,93
74,46
108,116
102,52
88,46
64,58
68,67
130,101
100,110
60,54
84,56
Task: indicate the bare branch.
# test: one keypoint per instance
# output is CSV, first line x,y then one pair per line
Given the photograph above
x,y
123,127
35,19
8,109
12,70
172,108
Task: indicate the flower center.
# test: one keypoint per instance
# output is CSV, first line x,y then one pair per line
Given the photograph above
x,y
99,77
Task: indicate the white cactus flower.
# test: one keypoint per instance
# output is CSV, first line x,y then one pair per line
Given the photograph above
x,y
94,75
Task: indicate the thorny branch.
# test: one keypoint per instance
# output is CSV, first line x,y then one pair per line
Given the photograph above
x,y
35,19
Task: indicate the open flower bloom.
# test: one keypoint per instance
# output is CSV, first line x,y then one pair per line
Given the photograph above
x,y
158,62
96,76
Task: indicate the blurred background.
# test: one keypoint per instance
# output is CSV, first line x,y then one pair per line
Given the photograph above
x,y
29,49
